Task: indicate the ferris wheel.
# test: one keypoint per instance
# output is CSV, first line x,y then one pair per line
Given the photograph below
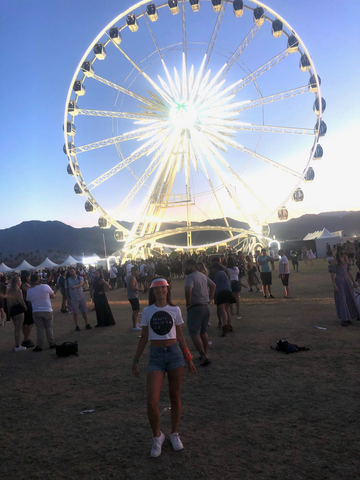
x,y
191,114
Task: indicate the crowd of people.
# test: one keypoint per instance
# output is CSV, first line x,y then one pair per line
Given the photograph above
x,y
26,300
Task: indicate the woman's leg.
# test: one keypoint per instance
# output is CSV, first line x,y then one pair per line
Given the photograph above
x,y
221,311
228,312
17,321
175,377
154,383
237,298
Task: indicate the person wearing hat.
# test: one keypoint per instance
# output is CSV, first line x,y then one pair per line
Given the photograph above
x,y
161,325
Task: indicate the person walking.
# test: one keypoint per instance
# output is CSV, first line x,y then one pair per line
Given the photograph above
x,y
235,284
133,297
199,292
113,275
40,296
341,276
16,307
161,325
103,311
75,291
223,298
284,272
265,272
252,277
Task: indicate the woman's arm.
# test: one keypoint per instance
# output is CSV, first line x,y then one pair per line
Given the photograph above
x,y
20,298
106,285
140,348
182,342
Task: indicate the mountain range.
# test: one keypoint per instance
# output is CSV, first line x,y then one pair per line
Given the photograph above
x,y
34,239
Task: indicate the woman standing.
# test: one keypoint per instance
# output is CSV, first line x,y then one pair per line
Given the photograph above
x,y
16,307
253,281
161,325
311,256
104,315
2,299
223,297
345,303
28,318
235,284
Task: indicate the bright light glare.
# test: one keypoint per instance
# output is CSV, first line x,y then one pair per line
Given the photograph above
x,y
183,115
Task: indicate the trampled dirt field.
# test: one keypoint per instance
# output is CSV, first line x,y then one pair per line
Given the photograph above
x,y
252,414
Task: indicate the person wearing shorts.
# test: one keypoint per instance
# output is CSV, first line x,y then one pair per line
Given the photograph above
x,y
265,272
133,296
284,272
74,285
199,292
161,325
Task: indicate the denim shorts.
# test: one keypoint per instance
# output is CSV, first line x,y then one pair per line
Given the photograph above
x,y
198,319
165,359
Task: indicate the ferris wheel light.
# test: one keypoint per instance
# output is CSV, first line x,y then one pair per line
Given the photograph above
x,y
183,115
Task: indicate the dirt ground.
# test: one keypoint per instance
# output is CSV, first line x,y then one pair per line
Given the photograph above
x,y
252,414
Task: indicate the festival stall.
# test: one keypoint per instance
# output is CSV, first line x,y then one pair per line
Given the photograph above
x,y
5,269
322,237
70,261
24,265
47,263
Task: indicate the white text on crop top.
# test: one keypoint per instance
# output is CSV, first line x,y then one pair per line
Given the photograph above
x,y
161,321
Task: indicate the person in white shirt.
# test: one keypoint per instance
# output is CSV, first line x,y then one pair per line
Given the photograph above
x,y
40,296
272,255
161,324
284,272
113,274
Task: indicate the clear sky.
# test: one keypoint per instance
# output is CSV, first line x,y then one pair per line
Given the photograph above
x,y
43,43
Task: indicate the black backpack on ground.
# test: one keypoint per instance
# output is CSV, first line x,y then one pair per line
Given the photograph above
x,y
67,349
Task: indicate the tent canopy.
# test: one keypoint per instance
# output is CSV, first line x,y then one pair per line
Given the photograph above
x,y
69,261
47,263
324,233
5,269
24,265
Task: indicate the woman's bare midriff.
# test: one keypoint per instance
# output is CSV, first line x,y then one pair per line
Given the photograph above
x,y
163,343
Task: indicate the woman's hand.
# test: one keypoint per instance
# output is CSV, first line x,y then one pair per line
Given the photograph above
x,y
191,367
336,288
135,370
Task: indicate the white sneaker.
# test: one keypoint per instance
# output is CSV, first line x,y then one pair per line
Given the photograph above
x,y
157,444
176,442
20,348
138,325
238,317
136,328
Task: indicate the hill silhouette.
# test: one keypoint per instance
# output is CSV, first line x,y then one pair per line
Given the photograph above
x,y
35,239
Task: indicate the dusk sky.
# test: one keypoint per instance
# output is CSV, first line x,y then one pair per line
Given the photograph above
x,y
44,42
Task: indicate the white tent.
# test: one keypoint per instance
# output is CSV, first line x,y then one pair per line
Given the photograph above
x,y
47,263
322,237
5,269
24,265
69,261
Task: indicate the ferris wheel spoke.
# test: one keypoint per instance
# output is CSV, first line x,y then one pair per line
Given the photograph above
x,y
123,164
127,115
247,40
259,102
214,34
139,133
261,70
152,35
210,152
124,90
163,94
207,176
273,129
253,154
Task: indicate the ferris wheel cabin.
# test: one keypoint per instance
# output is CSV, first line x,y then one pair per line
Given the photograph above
x,y
216,4
78,190
277,28
73,107
132,22
317,104
292,44
99,51
298,195
115,35
79,88
71,148
259,16
174,6
283,213
310,175
89,207
238,6
119,235
87,68
70,129
151,12
319,152
312,83
304,63
70,170
323,128
103,223
195,5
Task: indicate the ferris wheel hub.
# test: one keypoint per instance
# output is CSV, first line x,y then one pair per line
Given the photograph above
x,y
183,115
